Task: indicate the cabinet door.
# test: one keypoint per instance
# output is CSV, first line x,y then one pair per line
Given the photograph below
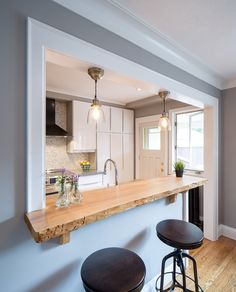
x,y
128,157
103,153
116,120
84,134
116,155
103,149
128,121
105,127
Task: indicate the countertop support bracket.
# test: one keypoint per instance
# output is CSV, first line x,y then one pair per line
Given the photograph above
x,y
65,238
172,199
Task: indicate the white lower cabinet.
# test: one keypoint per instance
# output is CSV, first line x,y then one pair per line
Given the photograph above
x,y
120,148
91,182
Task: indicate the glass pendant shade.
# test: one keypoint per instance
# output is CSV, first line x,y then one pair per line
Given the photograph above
x,y
95,113
164,121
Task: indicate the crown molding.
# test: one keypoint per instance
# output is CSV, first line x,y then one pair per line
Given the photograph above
x,y
128,26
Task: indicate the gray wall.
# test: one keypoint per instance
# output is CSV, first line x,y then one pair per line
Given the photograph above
x,y
228,200
156,109
24,265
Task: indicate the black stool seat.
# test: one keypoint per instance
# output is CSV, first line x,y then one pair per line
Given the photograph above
x,y
113,270
179,234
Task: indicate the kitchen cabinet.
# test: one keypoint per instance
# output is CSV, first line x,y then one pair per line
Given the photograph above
x,y
90,182
120,148
128,121
128,157
116,120
117,144
117,156
105,126
83,134
103,149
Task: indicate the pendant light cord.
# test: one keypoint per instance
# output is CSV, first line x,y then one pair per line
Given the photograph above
x,y
95,97
164,101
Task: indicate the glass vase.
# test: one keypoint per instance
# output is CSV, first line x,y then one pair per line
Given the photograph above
x,y
76,196
63,196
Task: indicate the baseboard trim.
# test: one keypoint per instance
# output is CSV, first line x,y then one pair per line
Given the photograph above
x,y
227,231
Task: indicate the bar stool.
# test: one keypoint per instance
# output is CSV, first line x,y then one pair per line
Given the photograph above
x,y
113,270
182,236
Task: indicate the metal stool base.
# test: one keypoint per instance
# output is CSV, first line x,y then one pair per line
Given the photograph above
x,y
178,256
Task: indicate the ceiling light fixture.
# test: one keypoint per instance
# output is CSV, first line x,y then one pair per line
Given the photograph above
x,y
164,121
95,113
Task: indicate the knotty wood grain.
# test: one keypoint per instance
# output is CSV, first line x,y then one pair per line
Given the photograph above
x,y
98,204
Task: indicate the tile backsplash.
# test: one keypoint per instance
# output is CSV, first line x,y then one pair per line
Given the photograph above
x,y
56,155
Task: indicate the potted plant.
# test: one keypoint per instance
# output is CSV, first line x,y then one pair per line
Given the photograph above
x,y
179,167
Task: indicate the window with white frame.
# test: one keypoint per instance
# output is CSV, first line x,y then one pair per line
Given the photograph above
x,y
151,138
189,144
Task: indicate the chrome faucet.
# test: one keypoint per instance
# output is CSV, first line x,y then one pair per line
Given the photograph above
x,y
116,172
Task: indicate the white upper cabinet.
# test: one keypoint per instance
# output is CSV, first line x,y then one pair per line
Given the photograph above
x,y
105,127
128,121
116,120
83,134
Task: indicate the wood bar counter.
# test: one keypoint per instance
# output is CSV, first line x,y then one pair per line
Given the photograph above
x,y
101,203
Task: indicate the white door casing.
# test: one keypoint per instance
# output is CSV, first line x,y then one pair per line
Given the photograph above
x,y
41,36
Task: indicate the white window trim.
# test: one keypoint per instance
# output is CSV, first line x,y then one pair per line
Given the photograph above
x,y
172,135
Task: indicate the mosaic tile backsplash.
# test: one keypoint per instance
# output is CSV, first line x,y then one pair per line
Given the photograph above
x,y
56,155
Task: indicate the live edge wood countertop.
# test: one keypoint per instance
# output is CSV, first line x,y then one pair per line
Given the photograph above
x,y
101,203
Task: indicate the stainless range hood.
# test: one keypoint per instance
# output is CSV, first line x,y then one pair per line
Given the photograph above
x,y
52,129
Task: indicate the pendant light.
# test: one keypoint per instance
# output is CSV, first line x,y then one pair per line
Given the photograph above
x,y
164,121
95,113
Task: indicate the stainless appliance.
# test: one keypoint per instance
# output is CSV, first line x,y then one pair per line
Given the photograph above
x,y
51,177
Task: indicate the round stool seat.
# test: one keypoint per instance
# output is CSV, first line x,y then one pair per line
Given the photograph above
x,y
113,270
179,234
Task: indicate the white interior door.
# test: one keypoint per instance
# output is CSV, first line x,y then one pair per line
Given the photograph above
x,y
152,150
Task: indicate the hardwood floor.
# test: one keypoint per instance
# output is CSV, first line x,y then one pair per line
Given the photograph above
x,y
216,261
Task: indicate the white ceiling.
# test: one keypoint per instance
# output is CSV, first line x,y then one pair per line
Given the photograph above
x,y
68,75
206,29
199,36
